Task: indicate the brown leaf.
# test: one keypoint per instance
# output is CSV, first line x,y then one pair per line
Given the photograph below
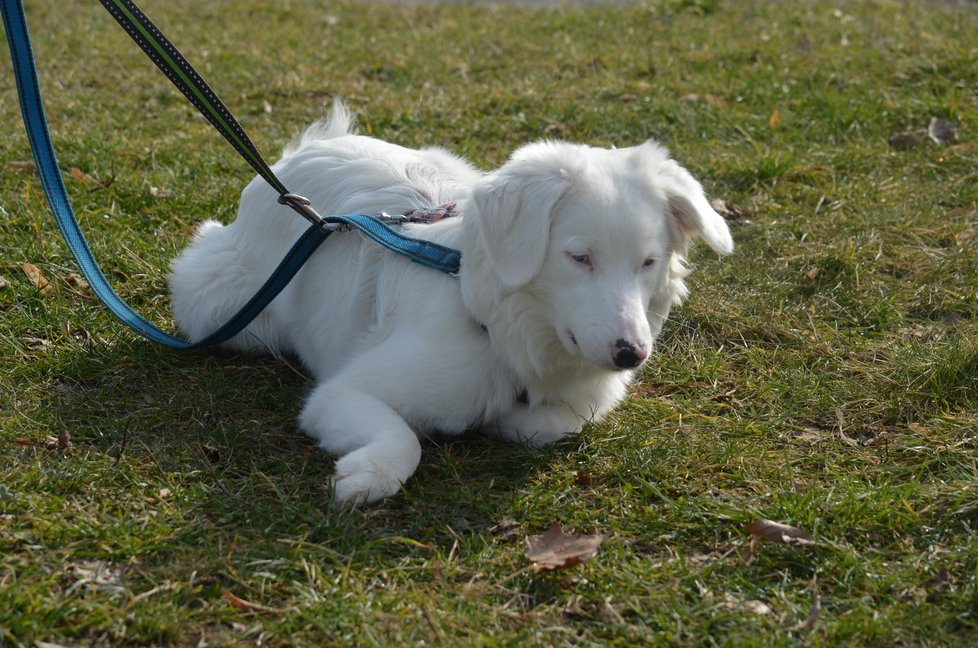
x,y
81,176
557,550
241,604
775,532
774,120
729,210
60,442
782,533
37,278
505,528
908,139
75,282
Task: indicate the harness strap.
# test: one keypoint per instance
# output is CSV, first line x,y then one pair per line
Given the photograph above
x,y
176,67
432,255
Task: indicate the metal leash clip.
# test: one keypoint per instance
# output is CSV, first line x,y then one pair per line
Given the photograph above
x,y
394,220
303,206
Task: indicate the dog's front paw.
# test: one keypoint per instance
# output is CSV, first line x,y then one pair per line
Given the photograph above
x,y
537,427
362,479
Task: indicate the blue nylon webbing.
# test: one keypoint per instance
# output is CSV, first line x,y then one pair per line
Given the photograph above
x,y
32,108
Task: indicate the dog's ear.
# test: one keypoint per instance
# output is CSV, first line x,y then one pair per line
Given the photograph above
x,y
689,206
515,206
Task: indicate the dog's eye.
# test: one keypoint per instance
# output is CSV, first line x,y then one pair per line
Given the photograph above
x,y
648,263
583,259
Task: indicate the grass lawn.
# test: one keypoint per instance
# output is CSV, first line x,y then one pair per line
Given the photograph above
x,y
824,376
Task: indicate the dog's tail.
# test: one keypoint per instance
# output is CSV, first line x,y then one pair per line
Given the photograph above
x,y
339,122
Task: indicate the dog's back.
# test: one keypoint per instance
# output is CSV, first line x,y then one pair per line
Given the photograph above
x,y
341,173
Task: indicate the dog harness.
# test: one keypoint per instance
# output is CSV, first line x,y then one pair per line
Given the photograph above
x,y
377,227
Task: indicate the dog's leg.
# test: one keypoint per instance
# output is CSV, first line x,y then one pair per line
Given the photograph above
x,y
536,426
377,449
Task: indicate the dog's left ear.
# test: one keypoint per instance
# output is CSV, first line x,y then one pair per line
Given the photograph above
x,y
688,204
515,206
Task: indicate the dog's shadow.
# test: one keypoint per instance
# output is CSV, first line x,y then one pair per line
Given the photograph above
x,y
222,427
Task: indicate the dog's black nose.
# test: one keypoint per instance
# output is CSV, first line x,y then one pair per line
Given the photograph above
x,y
627,356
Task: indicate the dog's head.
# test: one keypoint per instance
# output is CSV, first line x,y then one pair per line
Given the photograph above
x,y
592,241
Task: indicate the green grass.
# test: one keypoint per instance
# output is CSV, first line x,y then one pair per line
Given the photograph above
x,y
824,376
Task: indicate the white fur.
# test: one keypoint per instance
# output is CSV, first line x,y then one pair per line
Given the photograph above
x,y
555,287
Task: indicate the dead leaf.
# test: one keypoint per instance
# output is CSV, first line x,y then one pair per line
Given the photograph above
x,y
3,283
75,281
908,139
81,176
506,528
774,120
33,342
942,131
37,278
583,478
782,533
919,429
60,442
97,575
557,550
775,532
241,604
729,210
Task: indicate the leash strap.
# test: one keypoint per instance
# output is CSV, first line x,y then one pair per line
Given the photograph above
x,y
173,64
182,74
32,109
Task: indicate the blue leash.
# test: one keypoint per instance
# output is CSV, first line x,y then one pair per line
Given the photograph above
x,y
182,74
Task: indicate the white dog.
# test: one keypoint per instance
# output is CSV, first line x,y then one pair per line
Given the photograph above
x,y
572,257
